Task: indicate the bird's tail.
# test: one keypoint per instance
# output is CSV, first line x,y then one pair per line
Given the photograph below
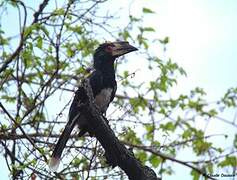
x,y
58,149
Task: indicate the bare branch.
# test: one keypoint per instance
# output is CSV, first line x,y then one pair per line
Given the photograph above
x,y
23,37
163,156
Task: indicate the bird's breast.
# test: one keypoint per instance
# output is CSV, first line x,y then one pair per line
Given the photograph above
x,y
102,99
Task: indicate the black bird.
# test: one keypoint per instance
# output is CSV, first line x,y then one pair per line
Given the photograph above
x,y
103,84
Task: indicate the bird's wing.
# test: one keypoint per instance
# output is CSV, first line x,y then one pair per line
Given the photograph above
x,y
80,97
96,80
74,118
113,92
58,149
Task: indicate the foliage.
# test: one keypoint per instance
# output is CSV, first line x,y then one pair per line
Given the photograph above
x,y
41,67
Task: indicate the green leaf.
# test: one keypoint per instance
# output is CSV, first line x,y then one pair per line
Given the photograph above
x,y
230,98
134,19
130,136
148,29
78,29
59,11
39,117
200,146
3,127
195,175
149,128
164,41
77,161
125,35
212,113
168,126
147,10
3,41
229,161
43,28
210,168
70,52
154,85
235,141
187,134
39,42
155,160
142,156
28,30
134,104
10,99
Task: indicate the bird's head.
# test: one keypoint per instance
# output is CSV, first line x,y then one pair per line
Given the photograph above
x,y
109,51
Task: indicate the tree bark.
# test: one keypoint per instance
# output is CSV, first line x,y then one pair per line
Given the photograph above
x,y
115,152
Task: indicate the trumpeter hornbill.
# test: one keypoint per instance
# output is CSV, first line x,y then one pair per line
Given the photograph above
x,y
103,84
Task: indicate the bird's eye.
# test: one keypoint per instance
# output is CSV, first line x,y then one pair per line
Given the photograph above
x,y
109,49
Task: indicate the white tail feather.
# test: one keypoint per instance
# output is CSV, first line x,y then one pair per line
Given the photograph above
x,y
53,164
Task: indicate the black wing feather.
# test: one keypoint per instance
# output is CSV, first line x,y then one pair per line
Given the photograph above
x,y
96,81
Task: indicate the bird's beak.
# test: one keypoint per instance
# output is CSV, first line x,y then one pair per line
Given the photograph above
x,y
122,47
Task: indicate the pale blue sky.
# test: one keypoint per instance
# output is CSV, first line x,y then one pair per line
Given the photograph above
x,y
203,40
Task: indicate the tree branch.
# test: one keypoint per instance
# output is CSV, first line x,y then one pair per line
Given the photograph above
x,y
116,153
163,156
23,37
22,130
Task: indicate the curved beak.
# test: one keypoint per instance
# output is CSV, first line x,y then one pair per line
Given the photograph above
x,y
122,47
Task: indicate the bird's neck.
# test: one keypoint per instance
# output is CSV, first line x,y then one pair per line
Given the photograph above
x,y
107,71
106,67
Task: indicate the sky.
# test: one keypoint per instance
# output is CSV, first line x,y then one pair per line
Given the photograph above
x,y
203,40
